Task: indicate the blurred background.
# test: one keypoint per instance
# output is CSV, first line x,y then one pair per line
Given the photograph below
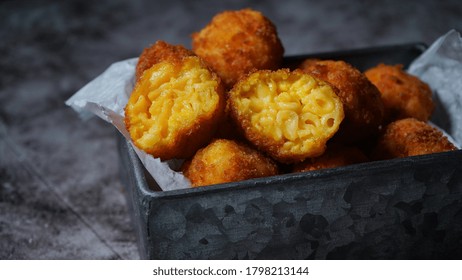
x,y
60,192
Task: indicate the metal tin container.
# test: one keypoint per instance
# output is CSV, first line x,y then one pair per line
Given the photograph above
x,y
408,208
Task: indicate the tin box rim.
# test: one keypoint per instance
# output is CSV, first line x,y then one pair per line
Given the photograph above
x,y
373,166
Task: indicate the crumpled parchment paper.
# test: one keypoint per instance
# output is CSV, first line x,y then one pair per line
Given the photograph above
x,y
441,67
106,96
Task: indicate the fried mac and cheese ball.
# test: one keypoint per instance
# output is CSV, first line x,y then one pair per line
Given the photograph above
x,y
411,137
236,42
361,99
335,156
224,161
403,95
288,115
159,52
175,108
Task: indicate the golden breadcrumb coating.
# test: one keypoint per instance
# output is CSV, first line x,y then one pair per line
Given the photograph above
x,y
411,137
403,95
175,108
236,42
224,161
361,99
159,52
334,156
288,115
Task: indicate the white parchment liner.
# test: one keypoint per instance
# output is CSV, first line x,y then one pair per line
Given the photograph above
x,y
106,96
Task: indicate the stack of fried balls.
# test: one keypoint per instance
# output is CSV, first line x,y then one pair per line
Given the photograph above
x,y
230,109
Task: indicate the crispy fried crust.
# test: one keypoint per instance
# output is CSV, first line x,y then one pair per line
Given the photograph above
x,y
361,99
288,115
159,52
335,156
175,108
403,95
225,161
236,42
410,137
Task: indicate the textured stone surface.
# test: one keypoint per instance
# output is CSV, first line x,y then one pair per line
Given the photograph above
x,y
60,192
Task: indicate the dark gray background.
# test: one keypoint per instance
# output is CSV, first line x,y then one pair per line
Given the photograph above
x,y
60,193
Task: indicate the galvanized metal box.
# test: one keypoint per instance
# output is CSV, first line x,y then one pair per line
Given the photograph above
x,y
407,208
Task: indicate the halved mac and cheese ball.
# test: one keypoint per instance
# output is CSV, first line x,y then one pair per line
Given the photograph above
x,y
361,99
288,115
224,161
158,52
175,108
